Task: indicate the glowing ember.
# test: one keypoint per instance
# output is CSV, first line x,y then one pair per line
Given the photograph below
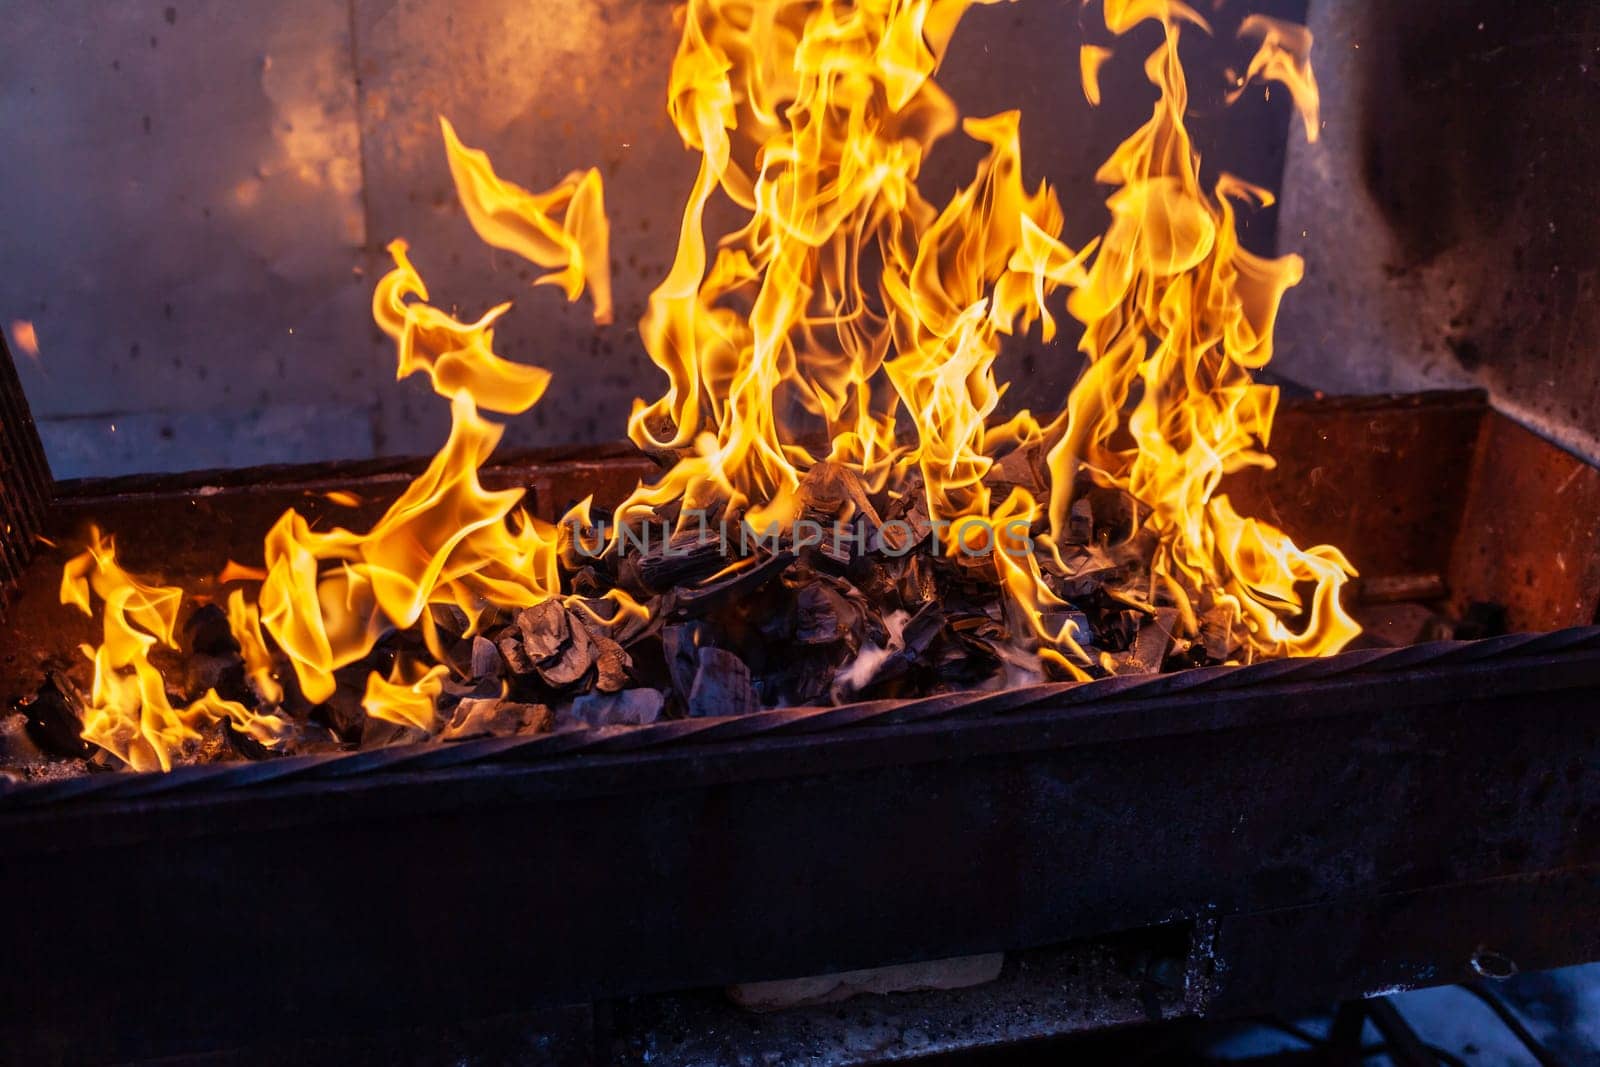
x,y
838,345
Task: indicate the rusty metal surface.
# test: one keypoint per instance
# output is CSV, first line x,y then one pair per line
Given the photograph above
x,y
630,868
1448,214
1530,537
25,484
1385,478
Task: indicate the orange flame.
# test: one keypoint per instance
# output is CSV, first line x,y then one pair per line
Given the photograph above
x,y
847,319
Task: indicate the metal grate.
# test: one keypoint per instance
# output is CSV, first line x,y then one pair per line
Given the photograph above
x,y
25,480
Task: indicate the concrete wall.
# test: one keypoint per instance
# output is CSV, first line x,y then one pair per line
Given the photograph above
x,y
1450,219
195,196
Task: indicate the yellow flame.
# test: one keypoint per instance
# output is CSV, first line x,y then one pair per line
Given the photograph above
x,y
129,712
408,696
574,249
847,319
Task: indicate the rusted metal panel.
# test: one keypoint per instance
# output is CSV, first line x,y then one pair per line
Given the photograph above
x,y
25,484
1384,479
1530,537
508,883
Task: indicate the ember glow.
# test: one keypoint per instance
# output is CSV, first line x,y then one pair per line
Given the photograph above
x,y
844,332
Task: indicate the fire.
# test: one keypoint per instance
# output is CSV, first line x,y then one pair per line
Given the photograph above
x,y
848,323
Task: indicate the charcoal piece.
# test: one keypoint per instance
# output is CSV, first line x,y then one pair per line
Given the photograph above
x,y
572,661
631,707
477,689
55,717
1021,468
206,632
496,718
450,619
1080,522
1056,622
307,739
1113,513
611,664
203,672
342,713
724,589
1089,568
1218,633
17,748
680,644
1149,648
918,584
380,733
510,647
824,616
721,685
909,640
685,560
545,629
485,659
832,491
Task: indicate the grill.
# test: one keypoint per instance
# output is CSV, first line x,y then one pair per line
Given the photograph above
x,y
24,478
1297,830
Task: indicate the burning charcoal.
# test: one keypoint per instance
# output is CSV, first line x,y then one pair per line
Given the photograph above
x,y
450,619
572,661
611,664
1080,522
1218,633
225,674
825,616
510,647
1054,621
380,733
1089,569
1149,649
683,561
55,717
16,746
206,632
342,713
544,628
631,707
1017,469
680,644
721,685
485,660
718,592
496,718
830,491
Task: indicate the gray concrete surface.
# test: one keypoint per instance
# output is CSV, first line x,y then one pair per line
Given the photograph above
x,y
195,196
